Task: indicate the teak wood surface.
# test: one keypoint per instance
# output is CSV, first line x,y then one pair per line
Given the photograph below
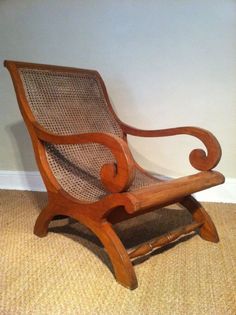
x,y
120,204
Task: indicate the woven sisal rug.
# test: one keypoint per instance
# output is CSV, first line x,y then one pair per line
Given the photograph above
x,y
69,273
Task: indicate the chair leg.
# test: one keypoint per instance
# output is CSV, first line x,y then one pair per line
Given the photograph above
x,y
208,230
123,268
43,220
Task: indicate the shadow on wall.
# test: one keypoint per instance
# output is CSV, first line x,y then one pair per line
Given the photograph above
x,y
23,150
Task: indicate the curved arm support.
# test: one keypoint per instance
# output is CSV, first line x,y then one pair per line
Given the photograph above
x,y
198,158
115,177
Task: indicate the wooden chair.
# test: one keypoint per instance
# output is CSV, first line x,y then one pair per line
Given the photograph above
x,y
90,175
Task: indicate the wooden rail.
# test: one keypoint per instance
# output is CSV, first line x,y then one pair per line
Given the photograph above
x,y
163,240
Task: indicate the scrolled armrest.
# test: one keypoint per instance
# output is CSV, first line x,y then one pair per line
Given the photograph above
x,y
198,158
115,177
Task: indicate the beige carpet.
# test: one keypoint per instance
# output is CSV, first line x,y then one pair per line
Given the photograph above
x,y
68,272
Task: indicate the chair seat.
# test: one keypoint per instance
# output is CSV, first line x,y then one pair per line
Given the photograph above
x,y
83,182
85,187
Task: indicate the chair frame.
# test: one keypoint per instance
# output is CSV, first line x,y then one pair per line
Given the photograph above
x,y
121,204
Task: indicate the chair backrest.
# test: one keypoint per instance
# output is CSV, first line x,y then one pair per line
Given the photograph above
x,y
71,101
67,102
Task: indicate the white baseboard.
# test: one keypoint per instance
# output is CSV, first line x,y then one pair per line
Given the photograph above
x,y
20,180
223,193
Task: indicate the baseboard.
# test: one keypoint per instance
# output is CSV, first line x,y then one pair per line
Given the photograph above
x,y
20,180
223,193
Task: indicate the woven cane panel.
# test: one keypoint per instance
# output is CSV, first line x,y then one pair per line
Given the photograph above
x,y
77,171
141,180
67,103
80,176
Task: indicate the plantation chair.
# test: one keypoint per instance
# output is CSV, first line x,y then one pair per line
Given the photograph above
x,y
90,175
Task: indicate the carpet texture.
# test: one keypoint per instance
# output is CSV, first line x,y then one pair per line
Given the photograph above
x,y
68,272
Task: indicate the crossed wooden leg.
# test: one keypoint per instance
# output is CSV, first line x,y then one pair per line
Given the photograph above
x,y
123,268
208,230
43,220
120,258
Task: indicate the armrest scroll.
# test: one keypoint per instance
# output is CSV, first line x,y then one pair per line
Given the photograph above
x,y
198,158
115,177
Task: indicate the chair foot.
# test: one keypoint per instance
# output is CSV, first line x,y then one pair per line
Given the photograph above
x,y
208,230
43,220
123,268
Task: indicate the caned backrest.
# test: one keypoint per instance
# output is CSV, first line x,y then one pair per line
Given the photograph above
x,y
68,102
71,101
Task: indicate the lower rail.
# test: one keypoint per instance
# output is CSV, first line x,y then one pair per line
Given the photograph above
x,y
163,240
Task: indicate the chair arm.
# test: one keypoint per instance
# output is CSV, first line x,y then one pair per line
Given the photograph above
x,y
198,158
115,177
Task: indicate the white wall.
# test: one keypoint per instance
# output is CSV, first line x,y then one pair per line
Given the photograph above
x,y
165,63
